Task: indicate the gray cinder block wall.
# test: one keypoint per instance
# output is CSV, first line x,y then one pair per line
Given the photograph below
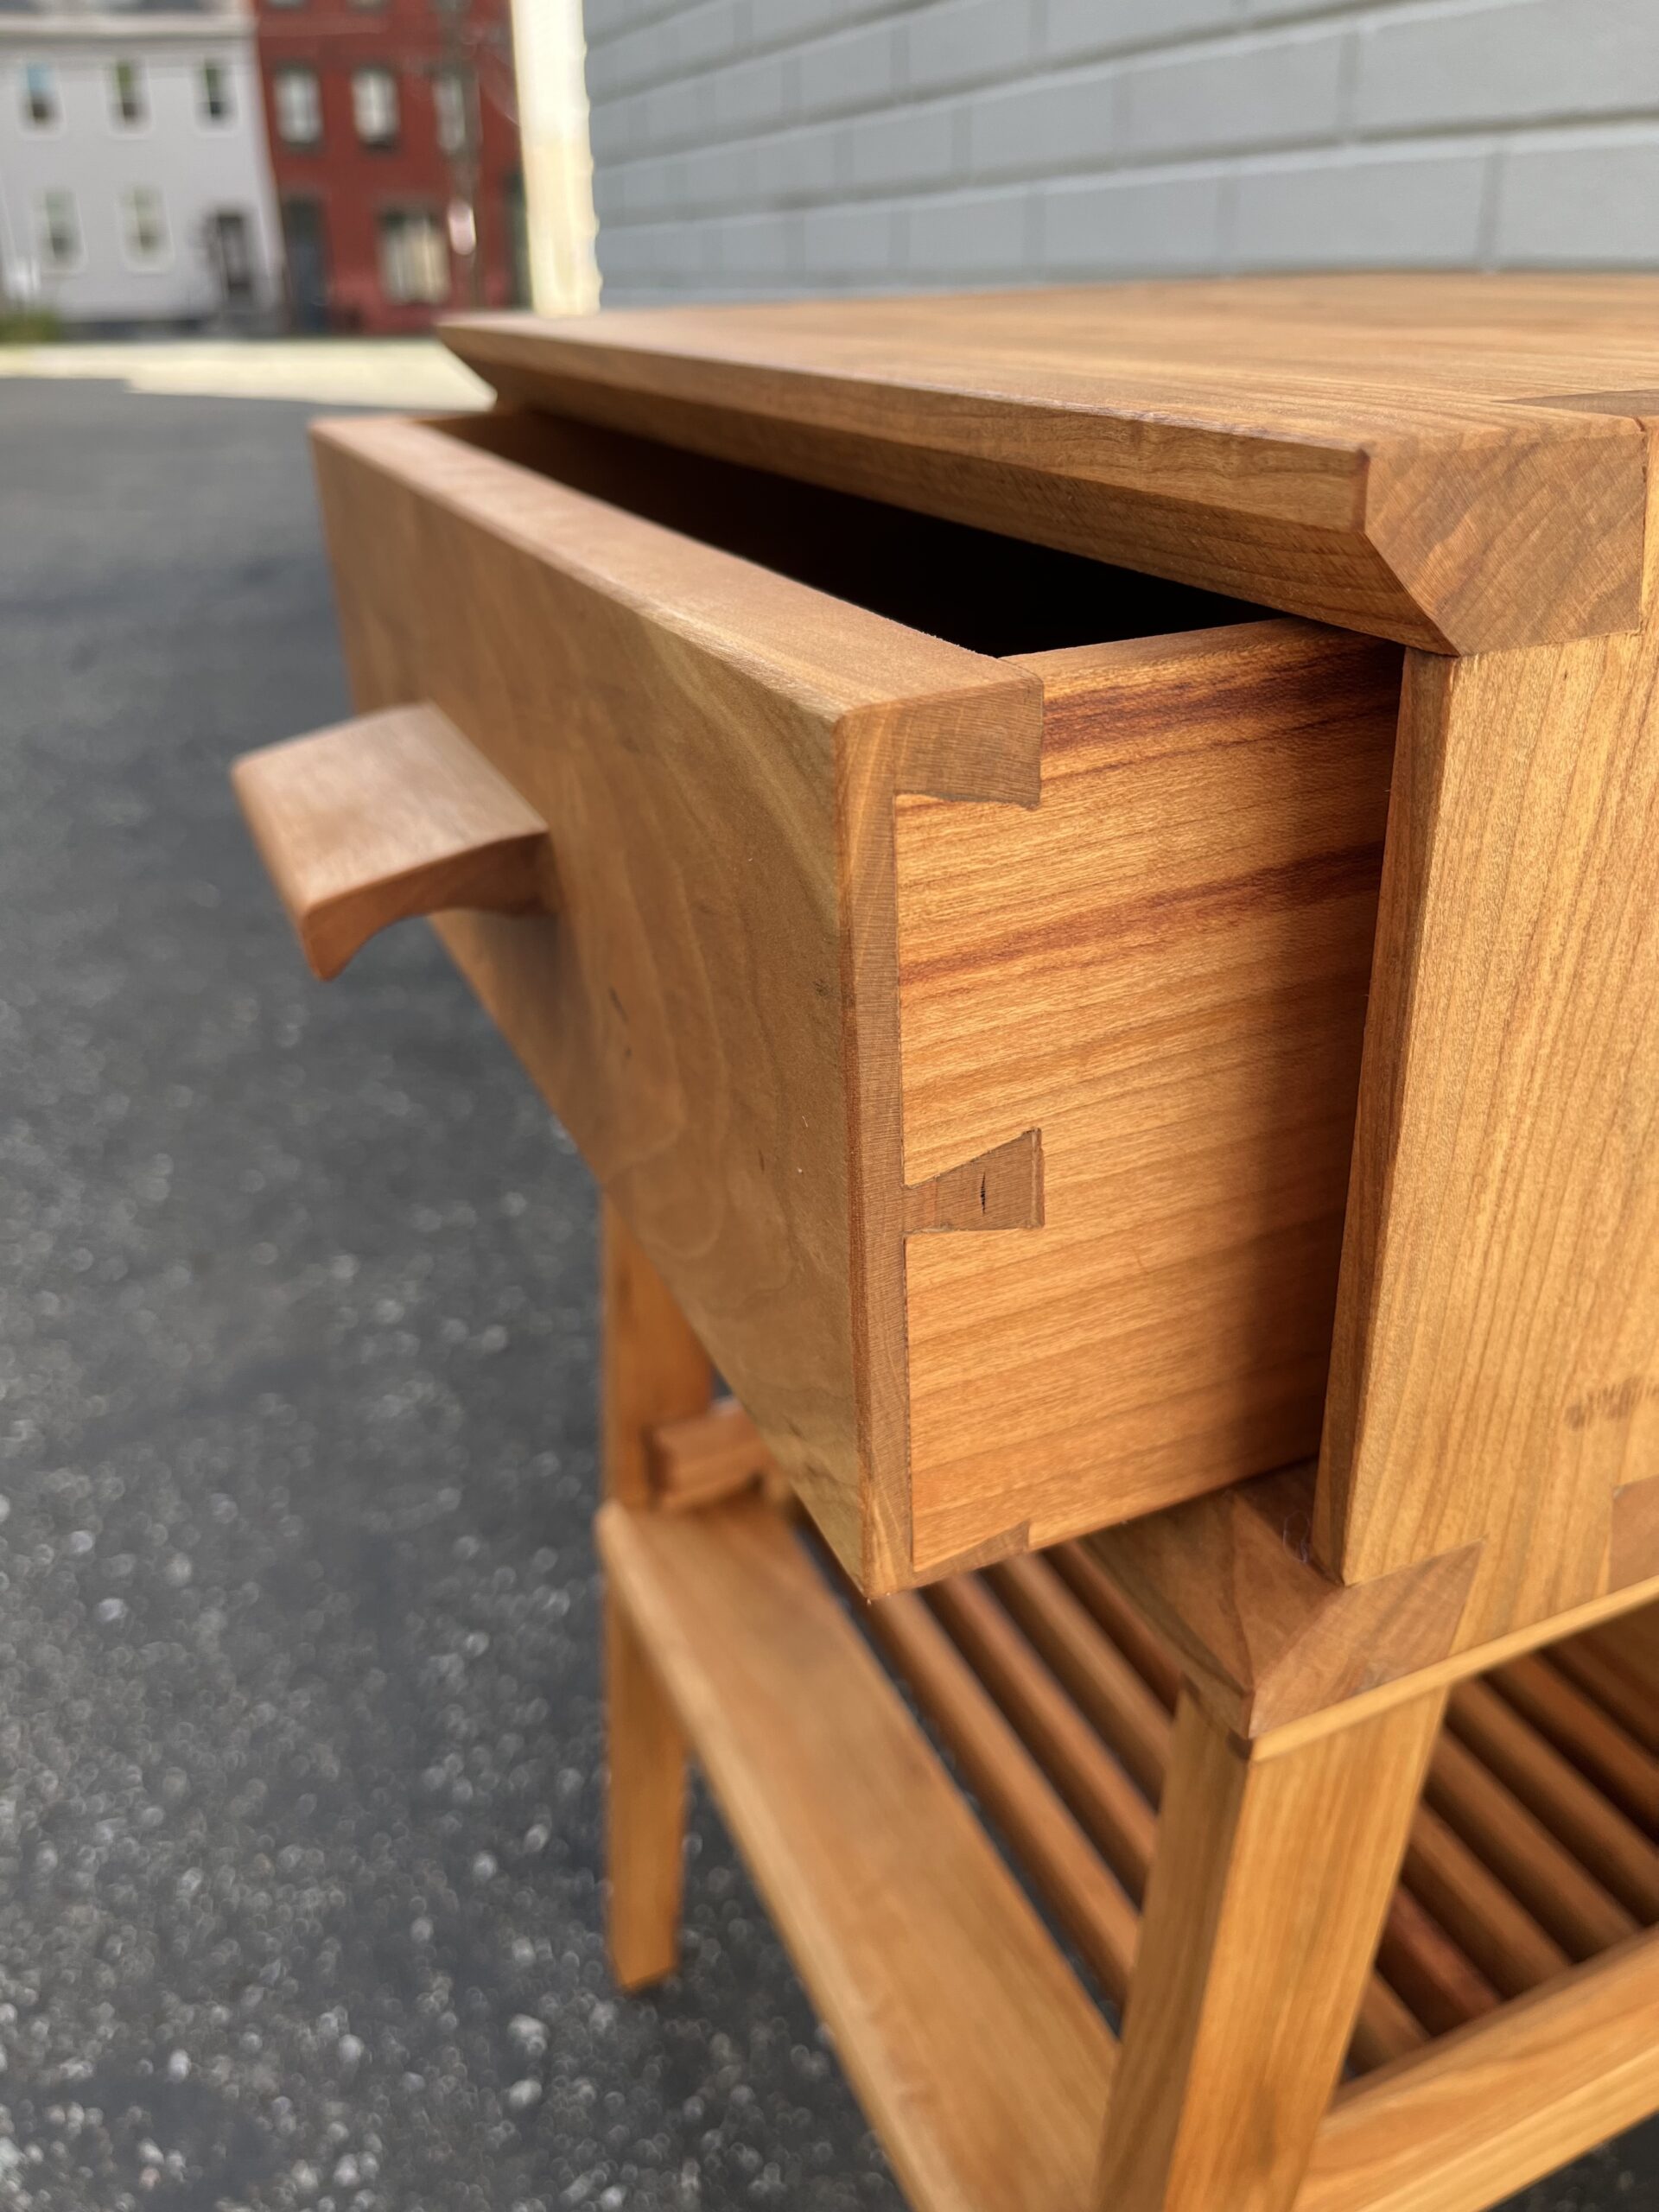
x,y
759,147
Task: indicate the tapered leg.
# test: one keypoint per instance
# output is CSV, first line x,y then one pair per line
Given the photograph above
x,y
654,1370
1266,1896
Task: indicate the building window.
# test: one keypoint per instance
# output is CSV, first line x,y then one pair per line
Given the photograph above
x,y
127,92
40,94
374,106
414,266
299,106
215,93
59,229
450,107
143,227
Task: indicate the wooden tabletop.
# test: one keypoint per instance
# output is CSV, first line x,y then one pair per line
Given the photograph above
x,y
1457,460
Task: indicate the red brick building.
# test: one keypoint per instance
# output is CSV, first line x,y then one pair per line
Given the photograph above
x,y
394,146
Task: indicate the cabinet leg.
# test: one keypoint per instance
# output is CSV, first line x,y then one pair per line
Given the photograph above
x,y
1273,1875
654,1370
645,1811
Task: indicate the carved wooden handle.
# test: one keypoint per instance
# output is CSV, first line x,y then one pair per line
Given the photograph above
x,y
391,814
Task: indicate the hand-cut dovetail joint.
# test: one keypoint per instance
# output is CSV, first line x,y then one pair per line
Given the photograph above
x,y
393,815
999,1188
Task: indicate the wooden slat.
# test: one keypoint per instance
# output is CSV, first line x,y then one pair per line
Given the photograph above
x,y
1431,1973
1601,1837
1118,1817
1545,1876
1129,1629
1603,1672
1500,1939
975,2050
389,816
1115,1815
1495,2105
1087,1900
1590,1738
1496,1932
1097,1676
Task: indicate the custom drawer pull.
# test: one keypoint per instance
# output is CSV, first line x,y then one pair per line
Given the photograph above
x,y
386,817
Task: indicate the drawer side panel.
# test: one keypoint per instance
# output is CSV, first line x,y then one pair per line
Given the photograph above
x,y
1164,969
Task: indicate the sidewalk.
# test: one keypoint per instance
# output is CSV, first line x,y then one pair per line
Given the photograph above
x,y
334,372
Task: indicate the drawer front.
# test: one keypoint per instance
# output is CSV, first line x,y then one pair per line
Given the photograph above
x,y
1164,969
713,1010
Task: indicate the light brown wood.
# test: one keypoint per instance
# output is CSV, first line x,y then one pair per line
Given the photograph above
x,y
705,1457
1536,1869
714,1015
1441,1987
1130,1053
1494,1370
1267,1898
644,1808
970,2043
1163,967
1494,2106
1497,1934
1388,453
1267,1638
1600,1834
392,815
1116,1815
1061,1728
1498,1939
1605,1673
1127,1714
1088,1900
1579,1728
652,1370
1140,1643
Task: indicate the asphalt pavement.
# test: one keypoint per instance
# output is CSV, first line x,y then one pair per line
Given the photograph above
x,y
300,1753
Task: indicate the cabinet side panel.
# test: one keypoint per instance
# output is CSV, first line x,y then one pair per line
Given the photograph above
x,y
1163,968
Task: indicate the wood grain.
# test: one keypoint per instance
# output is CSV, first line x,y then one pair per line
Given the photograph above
x,y
1497,2104
1599,1833
713,1015
1378,452
392,815
1267,1898
1495,1375
1163,967
969,2041
652,1370
1267,1637
1085,1896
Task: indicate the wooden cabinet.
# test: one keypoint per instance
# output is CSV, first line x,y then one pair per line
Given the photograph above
x,y
1081,867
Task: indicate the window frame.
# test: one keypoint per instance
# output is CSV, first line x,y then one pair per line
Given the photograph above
x,y
406,213
378,74
53,265
138,262
35,125
209,67
140,120
293,72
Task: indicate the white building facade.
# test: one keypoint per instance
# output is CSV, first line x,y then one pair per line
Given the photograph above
x,y
134,183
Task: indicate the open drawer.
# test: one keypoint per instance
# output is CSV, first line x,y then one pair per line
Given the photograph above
x,y
956,963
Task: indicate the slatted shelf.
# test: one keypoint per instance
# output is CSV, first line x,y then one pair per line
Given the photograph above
x,y
1529,1887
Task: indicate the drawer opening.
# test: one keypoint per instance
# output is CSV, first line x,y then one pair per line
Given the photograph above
x,y
977,588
